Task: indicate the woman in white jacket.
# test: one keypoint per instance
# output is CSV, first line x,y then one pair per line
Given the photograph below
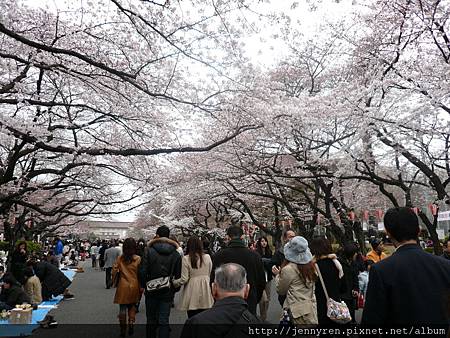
x,y
195,273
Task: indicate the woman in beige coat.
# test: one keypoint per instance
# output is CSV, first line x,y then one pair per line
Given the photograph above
x,y
195,272
296,280
128,292
32,286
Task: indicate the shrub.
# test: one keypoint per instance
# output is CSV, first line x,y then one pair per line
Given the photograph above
x,y
32,246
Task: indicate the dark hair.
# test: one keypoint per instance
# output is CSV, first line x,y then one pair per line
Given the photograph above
x,y
263,251
129,249
320,246
21,243
349,250
402,224
368,263
163,231
8,278
235,232
306,271
286,231
375,243
28,272
194,249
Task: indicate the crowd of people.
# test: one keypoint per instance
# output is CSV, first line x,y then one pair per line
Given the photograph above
x,y
233,285
33,278
229,286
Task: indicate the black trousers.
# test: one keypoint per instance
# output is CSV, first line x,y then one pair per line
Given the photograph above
x,y
108,277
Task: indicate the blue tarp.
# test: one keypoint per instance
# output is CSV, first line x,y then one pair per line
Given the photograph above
x,y
15,330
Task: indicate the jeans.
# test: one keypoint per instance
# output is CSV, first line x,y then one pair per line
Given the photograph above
x,y
158,313
108,277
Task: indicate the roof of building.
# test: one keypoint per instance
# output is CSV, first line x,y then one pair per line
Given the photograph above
x,y
108,224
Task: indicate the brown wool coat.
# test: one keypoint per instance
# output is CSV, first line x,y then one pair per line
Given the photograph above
x,y
128,291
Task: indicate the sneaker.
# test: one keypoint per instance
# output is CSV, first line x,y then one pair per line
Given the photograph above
x,y
46,320
52,324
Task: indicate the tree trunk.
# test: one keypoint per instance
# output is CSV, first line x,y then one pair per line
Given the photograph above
x,y
359,233
431,227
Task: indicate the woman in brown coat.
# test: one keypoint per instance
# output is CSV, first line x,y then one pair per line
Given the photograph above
x,y
128,292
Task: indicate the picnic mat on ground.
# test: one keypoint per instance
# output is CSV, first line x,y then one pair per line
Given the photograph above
x,y
15,330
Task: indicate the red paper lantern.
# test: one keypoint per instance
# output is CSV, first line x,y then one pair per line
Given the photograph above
x,y
366,215
379,213
434,209
351,215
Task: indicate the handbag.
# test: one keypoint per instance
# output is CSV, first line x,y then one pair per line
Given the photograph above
x,y
361,301
338,312
160,283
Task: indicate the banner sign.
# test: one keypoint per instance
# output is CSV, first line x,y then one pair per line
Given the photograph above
x,y
444,216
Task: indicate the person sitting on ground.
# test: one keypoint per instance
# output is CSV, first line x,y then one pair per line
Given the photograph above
x,y
12,293
33,286
376,254
53,281
229,313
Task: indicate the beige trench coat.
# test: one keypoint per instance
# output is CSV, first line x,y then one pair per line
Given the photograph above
x,y
128,290
300,295
196,293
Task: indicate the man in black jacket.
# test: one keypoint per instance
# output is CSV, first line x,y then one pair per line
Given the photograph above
x,y
53,280
237,252
229,316
161,259
410,288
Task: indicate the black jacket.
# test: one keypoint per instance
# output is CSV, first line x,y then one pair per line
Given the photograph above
x,y
14,295
53,281
237,252
18,265
446,255
350,278
335,287
161,259
220,320
411,287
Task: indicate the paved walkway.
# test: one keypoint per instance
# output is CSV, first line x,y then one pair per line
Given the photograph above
x,y
93,304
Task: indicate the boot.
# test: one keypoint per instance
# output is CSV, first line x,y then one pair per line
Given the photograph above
x,y
131,320
123,325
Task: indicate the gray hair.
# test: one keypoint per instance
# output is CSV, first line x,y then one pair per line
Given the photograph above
x,y
230,277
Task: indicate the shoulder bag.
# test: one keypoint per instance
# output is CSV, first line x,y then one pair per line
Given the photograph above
x,y
337,312
160,283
